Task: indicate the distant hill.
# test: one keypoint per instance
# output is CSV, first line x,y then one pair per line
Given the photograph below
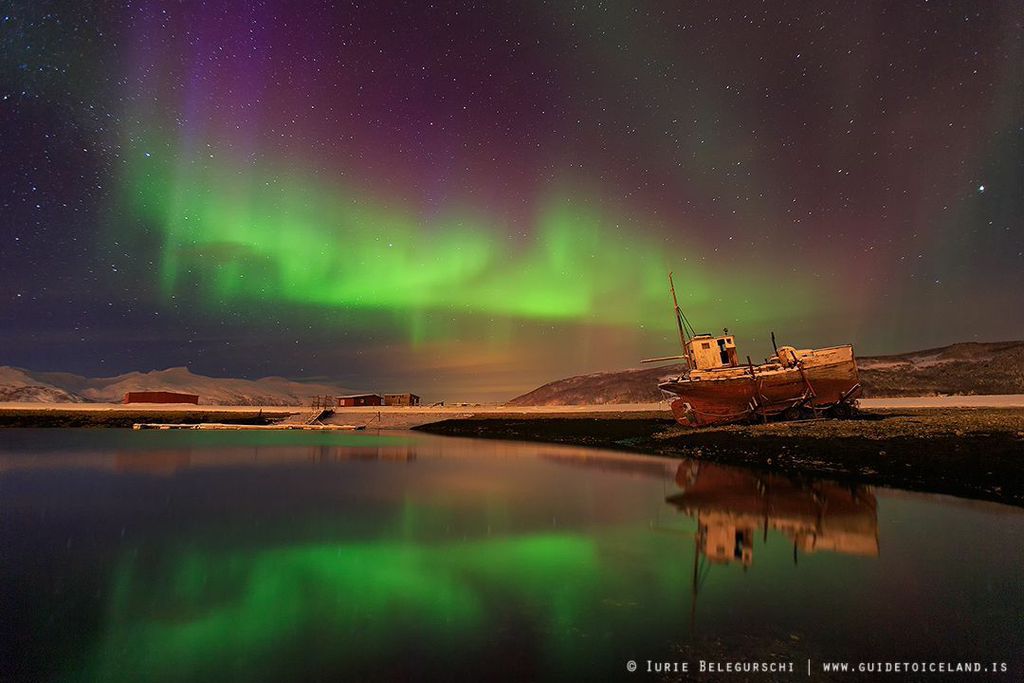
x,y
639,385
20,385
17,384
958,369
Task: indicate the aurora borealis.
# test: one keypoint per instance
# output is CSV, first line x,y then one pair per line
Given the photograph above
x,y
467,200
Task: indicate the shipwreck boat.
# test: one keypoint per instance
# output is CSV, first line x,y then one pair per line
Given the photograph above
x,y
718,389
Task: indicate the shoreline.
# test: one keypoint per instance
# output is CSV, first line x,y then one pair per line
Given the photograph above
x,y
120,415
950,448
973,453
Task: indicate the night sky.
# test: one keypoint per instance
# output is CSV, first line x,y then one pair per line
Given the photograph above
x,y
468,199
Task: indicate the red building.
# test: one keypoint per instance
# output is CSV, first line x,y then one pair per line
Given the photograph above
x,y
401,399
159,397
360,400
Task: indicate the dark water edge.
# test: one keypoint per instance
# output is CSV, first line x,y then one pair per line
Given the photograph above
x,y
124,419
984,465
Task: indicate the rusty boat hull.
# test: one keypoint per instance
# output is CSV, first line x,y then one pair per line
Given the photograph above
x,y
820,380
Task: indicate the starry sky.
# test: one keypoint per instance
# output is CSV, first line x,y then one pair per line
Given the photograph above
x,y
468,199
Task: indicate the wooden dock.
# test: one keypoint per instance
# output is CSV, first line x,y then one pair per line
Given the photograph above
x,y
318,414
227,427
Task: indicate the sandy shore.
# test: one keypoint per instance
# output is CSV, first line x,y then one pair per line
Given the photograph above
x,y
394,417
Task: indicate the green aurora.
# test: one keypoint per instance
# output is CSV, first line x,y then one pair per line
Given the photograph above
x,y
215,613
233,234
210,614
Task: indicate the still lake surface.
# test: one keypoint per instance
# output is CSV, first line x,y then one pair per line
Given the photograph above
x,y
134,556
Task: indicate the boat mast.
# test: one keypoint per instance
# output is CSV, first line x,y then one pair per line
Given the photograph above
x,y
685,330
679,313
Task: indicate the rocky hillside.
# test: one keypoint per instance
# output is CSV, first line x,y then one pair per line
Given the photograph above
x,y
625,386
17,384
958,369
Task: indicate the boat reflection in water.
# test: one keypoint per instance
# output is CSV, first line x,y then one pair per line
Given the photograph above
x,y
730,505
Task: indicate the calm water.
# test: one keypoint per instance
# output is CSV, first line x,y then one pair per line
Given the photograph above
x,y
299,556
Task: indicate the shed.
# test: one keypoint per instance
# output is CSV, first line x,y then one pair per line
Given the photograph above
x,y
401,400
360,400
159,397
